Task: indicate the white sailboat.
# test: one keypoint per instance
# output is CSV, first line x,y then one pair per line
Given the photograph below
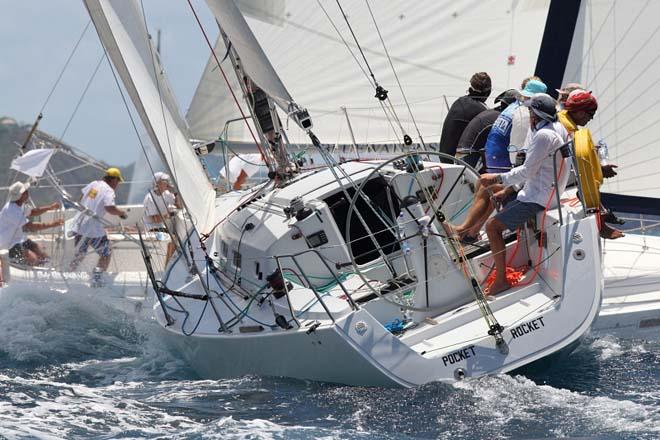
x,y
611,52
344,273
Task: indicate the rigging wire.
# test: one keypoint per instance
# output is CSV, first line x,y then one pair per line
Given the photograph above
x,y
381,93
82,96
66,64
224,76
389,59
357,61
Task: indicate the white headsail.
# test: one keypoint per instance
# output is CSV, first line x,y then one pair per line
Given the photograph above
x,y
615,54
434,45
121,28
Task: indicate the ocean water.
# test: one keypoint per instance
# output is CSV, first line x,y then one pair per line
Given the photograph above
x,y
72,367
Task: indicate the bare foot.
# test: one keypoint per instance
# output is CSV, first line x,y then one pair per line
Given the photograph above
x,y
497,287
610,233
456,230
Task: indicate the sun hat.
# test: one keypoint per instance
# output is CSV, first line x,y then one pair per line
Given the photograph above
x,y
581,100
114,172
16,190
544,106
533,87
160,176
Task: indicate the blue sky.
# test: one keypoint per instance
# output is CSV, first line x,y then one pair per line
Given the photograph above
x,y
37,36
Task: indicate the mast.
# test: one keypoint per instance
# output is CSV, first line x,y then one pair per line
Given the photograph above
x,y
255,73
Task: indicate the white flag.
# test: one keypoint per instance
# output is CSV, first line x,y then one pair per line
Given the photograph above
x,y
34,162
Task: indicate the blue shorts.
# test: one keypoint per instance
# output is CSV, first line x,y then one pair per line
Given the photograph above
x,y
100,244
516,213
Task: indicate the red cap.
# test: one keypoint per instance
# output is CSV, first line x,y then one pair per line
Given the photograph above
x,y
581,100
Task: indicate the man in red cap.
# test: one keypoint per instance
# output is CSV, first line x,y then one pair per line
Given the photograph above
x,y
579,108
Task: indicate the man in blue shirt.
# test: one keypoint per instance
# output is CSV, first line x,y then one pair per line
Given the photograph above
x,y
497,144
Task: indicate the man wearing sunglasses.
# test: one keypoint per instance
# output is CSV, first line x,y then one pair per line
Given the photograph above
x,y
579,108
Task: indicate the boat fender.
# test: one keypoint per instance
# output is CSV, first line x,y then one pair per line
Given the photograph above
x,y
589,170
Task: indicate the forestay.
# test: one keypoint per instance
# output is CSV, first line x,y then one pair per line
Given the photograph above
x,y
121,28
615,54
434,45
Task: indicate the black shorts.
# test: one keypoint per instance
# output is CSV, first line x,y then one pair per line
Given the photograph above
x,y
16,252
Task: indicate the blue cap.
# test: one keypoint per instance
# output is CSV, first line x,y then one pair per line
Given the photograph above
x,y
533,87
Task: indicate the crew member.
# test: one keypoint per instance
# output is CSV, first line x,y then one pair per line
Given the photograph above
x,y
536,175
158,204
463,110
580,107
98,198
14,223
241,167
474,136
498,143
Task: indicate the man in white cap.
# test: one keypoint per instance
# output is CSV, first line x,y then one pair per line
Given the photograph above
x,y
14,223
98,198
158,204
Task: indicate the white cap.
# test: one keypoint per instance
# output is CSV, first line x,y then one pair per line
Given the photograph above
x,y
16,190
159,176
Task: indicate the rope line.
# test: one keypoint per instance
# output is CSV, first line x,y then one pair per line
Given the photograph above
x,y
389,59
66,64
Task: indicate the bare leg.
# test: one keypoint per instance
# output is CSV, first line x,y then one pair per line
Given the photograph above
x,y
170,252
33,255
479,211
104,263
31,258
608,232
494,229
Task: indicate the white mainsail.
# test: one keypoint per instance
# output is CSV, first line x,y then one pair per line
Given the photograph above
x,y
121,28
434,45
615,54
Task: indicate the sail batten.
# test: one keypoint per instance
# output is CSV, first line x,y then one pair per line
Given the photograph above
x,y
122,31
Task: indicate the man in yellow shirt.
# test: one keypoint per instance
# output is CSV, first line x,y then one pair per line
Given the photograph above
x,y
579,108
